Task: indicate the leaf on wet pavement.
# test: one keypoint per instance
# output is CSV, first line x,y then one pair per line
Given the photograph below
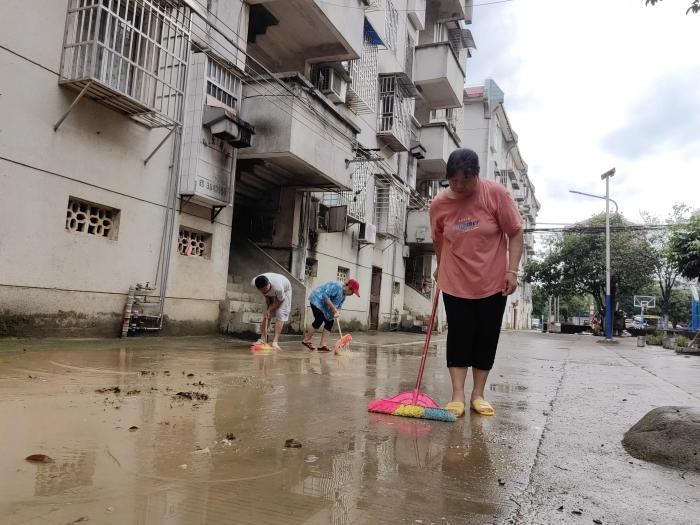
x,y
39,458
292,443
133,428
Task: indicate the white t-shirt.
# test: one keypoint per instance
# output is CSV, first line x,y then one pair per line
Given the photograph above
x,y
280,288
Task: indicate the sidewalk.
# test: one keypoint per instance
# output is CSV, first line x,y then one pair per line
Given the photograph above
x,y
562,404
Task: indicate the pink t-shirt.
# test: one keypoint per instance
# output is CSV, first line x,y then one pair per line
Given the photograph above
x,y
472,235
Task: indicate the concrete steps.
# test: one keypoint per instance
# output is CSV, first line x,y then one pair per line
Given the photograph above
x,y
245,305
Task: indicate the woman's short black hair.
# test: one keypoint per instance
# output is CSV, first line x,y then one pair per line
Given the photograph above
x,y
261,282
464,160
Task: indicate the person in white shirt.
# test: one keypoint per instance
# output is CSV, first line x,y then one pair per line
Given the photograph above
x,y
278,296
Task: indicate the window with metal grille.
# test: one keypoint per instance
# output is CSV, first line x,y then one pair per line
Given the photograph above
x,y
194,243
394,113
408,59
397,288
93,219
362,92
392,24
135,48
222,84
356,199
343,273
389,208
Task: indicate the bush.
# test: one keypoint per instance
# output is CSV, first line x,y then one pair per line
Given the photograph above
x,y
682,342
655,339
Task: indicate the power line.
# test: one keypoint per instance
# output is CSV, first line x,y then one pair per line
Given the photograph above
x,y
377,10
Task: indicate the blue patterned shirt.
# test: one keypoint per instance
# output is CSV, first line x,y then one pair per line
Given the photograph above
x,y
332,290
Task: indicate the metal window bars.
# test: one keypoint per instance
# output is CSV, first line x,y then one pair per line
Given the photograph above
x,y
389,207
130,55
221,83
355,200
391,22
394,114
362,92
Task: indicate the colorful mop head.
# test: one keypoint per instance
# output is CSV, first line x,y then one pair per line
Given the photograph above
x,y
415,404
342,342
262,348
412,404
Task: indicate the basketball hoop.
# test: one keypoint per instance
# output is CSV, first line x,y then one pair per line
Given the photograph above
x,y
645,301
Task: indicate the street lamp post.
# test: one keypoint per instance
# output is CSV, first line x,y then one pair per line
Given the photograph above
x,y
608,297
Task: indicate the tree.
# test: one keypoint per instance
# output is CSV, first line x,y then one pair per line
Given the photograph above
x,y
694,6
665,268
575,263
684,247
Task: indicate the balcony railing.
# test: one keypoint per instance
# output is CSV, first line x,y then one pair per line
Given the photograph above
x,y
451,116
130,55
394,114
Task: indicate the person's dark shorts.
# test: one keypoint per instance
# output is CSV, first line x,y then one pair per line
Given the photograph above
x,y
320,319
474,326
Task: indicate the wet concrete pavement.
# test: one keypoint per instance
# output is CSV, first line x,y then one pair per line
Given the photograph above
x,y
552,450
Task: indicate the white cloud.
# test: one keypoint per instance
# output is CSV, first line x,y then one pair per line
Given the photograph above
x,y
580,78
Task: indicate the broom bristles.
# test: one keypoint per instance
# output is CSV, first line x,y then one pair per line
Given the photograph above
x,y
420,411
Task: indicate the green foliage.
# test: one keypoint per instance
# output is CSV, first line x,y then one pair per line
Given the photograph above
x,y
684,247
539,301
694,6
655,339
682,341
575,263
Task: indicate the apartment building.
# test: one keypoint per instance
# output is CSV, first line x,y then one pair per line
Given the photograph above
x,y
156,154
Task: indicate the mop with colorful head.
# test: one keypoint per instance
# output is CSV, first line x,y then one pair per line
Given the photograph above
x,y
415,404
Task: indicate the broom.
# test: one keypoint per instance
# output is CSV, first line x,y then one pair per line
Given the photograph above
x,y
415,404
343,341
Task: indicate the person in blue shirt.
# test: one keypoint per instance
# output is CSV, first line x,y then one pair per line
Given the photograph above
x,y
326,301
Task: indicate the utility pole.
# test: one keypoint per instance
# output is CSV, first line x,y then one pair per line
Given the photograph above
x,y
608,299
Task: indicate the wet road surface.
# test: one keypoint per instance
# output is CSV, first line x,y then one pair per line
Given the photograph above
x,y
552,450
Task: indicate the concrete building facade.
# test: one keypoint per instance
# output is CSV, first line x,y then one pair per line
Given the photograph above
x,y
155,155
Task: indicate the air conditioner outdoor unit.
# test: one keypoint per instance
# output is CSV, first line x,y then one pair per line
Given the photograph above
x,y
368,233
329,82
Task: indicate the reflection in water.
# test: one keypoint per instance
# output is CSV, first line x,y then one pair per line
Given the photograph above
x,y
71,470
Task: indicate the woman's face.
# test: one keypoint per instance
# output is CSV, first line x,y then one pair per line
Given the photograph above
x,y
462,185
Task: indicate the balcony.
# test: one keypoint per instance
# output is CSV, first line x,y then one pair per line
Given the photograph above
x,y
416,13
280,34
450,9
130,56
529,242
439,141
438,75
301,137
390,200
418,230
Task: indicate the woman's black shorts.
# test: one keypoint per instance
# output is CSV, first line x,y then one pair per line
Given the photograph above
x,y
320,319
474,326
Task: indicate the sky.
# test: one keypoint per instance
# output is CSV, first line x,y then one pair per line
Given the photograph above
x,y
595,84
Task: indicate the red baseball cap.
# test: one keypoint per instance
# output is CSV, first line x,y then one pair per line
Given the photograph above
x,y
354,286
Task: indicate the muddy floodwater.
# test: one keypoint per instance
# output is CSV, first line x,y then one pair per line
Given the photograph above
x,y
200,431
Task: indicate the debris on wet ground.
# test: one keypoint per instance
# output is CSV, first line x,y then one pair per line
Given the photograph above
x,y
598,522
190,374
81,519
561,509
311,458
39,458
199,396
501,482
146,373
292,443
106,390
166,372
202,451
199,384
110,509
577,512
133,428
230,436
183,466
133,392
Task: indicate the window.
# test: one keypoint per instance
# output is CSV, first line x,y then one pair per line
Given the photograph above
x,y
194,243
311,268
362,92
343,273
221,84
397,288
392,24
92,219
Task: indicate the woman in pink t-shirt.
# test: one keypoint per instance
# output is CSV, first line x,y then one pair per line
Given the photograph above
x,y
478,238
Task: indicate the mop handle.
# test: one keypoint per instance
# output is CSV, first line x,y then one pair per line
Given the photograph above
x,y
427,342
339,329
